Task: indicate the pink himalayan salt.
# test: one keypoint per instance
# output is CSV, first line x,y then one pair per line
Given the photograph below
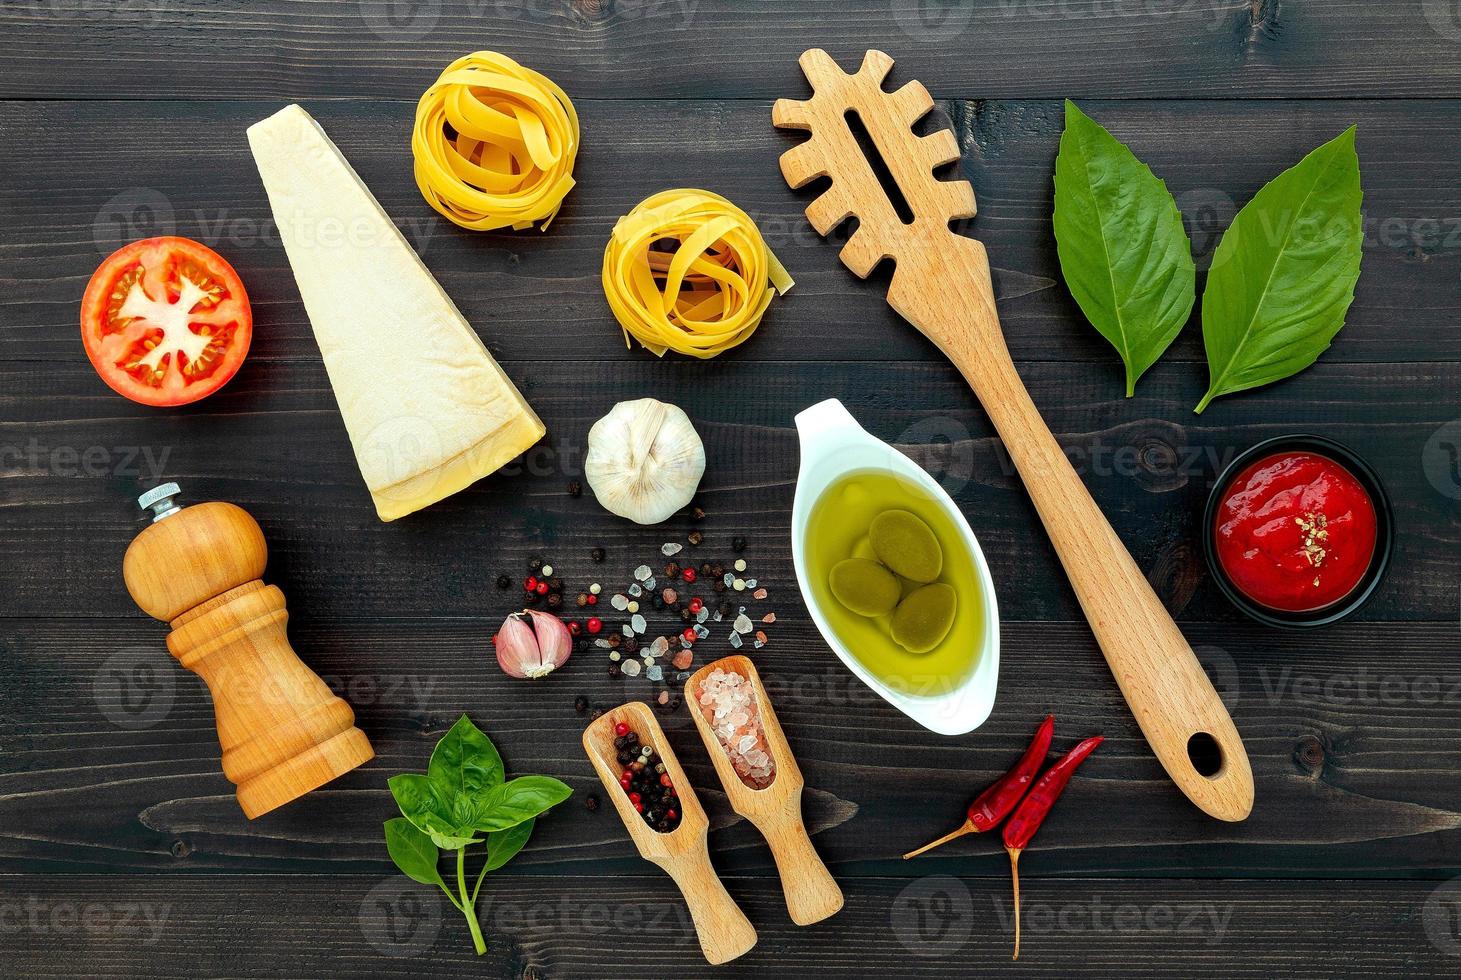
x,y
729,704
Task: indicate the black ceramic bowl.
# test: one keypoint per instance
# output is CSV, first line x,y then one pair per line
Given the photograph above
x,y
1384,532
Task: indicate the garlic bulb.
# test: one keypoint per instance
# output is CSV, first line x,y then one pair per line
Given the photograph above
x,y
532,652
644,460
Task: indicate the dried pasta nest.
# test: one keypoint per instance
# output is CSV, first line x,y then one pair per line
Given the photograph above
x,y
688,271
494,144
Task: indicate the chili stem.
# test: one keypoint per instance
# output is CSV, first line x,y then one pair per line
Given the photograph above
x,y
1014,853
967,828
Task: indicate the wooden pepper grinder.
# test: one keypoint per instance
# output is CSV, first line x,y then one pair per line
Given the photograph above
x,y
282,730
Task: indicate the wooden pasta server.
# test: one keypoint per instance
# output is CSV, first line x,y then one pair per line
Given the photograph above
x,y
941,284
684,852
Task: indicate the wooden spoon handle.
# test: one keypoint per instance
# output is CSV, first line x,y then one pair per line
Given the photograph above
x,y
811,893
723,928
1160,677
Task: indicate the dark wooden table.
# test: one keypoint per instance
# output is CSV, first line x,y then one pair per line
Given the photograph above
x,y
122,851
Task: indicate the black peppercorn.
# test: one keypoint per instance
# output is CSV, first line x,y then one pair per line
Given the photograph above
x,y
597,554
503,582
531,598
598,713
672,570
625,757
614,640
591,802
720,585
659,603
582,644
718,570
575,489
631,644
555,584
738,544
555,601
696,537
698,513
580,704
535,565
707,569
685,615
613,670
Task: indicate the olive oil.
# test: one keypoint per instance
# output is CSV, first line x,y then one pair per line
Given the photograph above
x,y
837,528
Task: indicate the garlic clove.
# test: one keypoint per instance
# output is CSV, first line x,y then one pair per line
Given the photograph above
x,y
644,461
555,643
532,651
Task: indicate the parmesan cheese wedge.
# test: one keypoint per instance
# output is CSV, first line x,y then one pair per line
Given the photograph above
x,y
428,410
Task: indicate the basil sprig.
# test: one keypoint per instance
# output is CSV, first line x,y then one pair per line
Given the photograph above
x,y
465,798
1283,276
1123,251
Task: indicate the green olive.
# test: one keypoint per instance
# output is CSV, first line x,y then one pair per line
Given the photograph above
x,y
922,620
863,586
906,545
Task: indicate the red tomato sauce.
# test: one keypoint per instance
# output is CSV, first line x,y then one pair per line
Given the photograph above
x,y
1295,531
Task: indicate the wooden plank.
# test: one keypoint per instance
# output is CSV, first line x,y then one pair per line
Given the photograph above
x,y
75,455
261,926
746,49
532,293
109,757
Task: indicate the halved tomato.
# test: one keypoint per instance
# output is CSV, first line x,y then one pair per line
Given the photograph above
x,y
166,321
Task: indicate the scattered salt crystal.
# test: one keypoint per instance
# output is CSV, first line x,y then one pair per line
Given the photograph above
x,y
757,645
735,640
671,548
664,697
729,579
655,673
619,602
649,583
769,618
659,647
743,624
669,595
684,643
639,623
683,675
642,572
683,659
701,631
702,615
750,583
601,643
628,629
760,637
635,590
631,668
760,593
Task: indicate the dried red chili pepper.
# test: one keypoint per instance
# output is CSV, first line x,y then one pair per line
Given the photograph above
x,y
1033,809
996,802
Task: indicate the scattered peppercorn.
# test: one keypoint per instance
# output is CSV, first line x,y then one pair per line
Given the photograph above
x,y
614,640
595,624
597,554
535,565
659,602
688,575
582,599
582,645
531,598
574,628
695,537
530,584
555,584
593,600
631,644
696,604
503,582
580,704
597,714
575,489
738,544
614,670
591,802
720,585
672,570
698,513
555,601
689,635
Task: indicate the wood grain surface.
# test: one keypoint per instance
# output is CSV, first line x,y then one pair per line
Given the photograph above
x,y
122,849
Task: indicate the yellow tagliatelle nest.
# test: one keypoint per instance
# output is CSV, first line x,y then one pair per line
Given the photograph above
x,y
688,271
494,144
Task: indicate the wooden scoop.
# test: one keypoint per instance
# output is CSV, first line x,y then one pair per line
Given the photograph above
x,y
941,284
811,893
684,852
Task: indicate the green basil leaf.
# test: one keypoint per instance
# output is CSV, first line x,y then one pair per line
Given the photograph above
x,y
413,852
503,845
1123,252
420,803
464,762
522,799
1283,276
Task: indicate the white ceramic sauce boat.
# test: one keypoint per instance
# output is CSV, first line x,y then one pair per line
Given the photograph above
x,y
833,445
